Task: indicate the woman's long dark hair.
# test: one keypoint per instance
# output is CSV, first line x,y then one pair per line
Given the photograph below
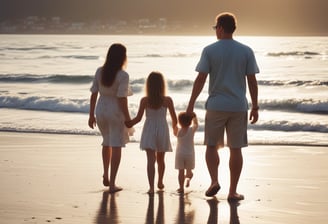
x,y
115,60
155,89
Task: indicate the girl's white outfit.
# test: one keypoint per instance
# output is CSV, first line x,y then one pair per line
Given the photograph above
x,y
155,133
109,117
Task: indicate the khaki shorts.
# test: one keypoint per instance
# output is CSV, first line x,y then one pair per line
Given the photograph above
x,y
233,123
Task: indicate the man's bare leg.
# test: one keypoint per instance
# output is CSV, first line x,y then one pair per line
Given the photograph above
x,y
235,165
212,161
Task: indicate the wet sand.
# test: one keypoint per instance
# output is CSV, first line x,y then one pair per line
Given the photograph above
x,y
47,178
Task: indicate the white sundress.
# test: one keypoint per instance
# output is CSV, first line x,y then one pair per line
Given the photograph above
x,y
110,119
155,133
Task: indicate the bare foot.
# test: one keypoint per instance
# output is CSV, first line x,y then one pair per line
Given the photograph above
x,y
180,191
160,186
235,197
151,191
114,189
105,182
212,190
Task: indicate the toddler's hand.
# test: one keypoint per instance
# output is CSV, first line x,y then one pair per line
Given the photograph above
x,y
131,131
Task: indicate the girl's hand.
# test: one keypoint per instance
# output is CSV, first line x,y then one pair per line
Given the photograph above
x,y
175,130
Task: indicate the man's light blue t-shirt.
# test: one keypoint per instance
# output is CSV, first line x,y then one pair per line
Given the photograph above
x,y
227,62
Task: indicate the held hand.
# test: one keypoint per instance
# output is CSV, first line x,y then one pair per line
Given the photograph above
x,y
175,130
129,124
92,122
254,116
190,111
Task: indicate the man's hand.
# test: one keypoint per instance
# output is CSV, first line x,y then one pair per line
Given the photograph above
x,y
254,116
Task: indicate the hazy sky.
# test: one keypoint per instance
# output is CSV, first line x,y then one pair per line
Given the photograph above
x,y
256,17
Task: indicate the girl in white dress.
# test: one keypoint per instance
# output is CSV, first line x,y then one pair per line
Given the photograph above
x,y
155,137
112,84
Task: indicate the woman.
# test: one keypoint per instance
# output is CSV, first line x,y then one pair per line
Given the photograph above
x,y
112,84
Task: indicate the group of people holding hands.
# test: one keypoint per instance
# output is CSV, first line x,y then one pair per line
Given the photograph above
x,y
231,67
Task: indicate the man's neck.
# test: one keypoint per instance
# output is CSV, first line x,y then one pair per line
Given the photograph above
x,y
226,36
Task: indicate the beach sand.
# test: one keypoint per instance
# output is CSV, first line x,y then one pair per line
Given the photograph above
x,y
47,178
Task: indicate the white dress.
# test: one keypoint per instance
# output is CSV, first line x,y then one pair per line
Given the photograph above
x,y
155,133
109,117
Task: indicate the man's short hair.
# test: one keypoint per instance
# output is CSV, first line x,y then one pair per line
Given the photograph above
x,y
227,21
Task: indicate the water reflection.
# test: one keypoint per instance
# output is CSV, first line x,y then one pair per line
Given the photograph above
x,y
108,211
186,213
160,209
234,218
213,217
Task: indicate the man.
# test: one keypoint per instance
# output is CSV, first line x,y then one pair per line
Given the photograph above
x,y
229,64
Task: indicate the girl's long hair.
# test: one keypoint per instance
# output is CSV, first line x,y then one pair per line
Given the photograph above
x,y
116,57
155,90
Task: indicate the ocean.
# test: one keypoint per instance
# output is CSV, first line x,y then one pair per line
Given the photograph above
x,y
45,82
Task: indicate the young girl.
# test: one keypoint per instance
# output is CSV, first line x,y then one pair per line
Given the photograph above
x,y
155,137
185,153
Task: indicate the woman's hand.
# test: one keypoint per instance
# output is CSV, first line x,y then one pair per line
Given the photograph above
x,y
92,122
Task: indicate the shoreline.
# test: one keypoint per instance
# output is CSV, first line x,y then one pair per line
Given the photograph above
x,y
196,144
57,178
